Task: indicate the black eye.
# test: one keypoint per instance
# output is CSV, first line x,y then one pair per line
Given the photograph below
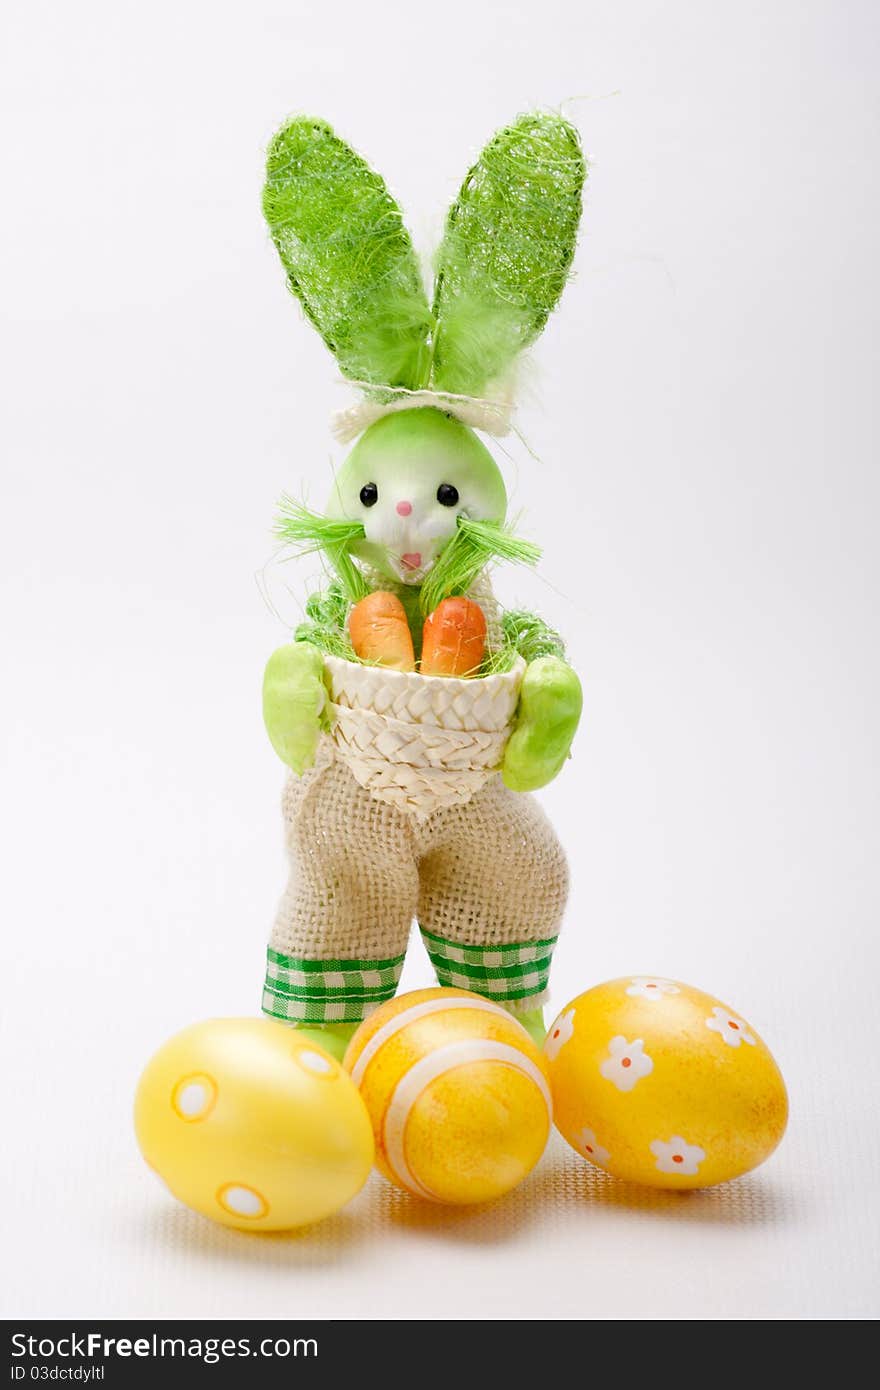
x,y
370,494
447,495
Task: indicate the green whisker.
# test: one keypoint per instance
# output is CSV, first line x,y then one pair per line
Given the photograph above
x,y
475,545
309,533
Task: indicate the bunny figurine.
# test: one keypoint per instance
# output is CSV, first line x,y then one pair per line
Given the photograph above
x,y
409,791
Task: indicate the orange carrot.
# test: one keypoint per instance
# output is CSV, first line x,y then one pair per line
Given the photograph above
x,y
454,639
380,632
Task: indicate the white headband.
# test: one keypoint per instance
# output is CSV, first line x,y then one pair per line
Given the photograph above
x,y
492,417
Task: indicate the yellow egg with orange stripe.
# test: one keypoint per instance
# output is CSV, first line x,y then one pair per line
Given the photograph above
x,y
457,1092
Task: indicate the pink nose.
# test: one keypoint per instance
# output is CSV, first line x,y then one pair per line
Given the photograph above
x,y
404,508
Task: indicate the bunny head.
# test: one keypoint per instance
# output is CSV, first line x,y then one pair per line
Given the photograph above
x,y
409,478
420,491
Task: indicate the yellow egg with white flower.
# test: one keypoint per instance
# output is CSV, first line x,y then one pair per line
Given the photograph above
x,y
252,1125
659,1083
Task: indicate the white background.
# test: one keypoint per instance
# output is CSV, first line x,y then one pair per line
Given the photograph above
x,y
704,410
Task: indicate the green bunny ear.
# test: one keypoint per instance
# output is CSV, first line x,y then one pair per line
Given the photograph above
x,y
507,251
348,256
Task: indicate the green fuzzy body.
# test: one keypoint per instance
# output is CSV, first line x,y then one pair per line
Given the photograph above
x,y
530,636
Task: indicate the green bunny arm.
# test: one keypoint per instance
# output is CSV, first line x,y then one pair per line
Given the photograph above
x,y
294,703
549,710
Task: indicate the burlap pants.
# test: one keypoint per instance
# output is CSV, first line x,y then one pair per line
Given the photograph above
x,y
487,882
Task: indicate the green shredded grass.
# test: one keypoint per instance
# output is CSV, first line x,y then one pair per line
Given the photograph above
x,y
526,635
475,545
326,627
328,609
326,624
500,662
309,533
530,636
333,641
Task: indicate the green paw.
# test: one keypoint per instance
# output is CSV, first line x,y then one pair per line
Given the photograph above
x,y
550,704
294,700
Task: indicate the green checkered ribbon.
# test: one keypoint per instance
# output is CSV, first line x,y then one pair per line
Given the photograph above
x,y
505,973
327,991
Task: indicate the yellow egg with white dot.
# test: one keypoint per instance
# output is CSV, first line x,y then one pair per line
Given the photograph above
x,y
457,1092
252,1125
658,1083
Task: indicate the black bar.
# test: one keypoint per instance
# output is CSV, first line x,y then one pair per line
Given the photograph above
x,y
134,1353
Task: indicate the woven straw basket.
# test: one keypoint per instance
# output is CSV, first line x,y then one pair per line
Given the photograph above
x,y
420,742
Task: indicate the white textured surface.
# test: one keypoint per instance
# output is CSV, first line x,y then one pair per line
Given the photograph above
x,y
708,497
